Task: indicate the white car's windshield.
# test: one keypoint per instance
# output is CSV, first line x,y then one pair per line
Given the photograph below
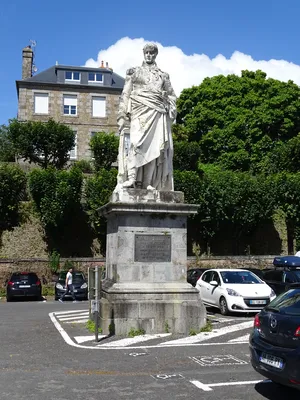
x,y
240,277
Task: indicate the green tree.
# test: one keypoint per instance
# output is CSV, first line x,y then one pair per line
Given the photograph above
x,y
105,149
56,194
43,143
239,120
98,190
286,190
12,192
7,151
186,155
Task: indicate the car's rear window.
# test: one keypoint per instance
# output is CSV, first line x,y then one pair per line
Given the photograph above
x,y
286,303
29,277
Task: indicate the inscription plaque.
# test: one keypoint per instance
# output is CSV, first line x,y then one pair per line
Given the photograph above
x,y
152,248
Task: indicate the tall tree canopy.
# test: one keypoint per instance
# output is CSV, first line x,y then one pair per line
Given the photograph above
x,y
7,152
240,121
44,143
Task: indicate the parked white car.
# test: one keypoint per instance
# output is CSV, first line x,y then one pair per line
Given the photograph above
x,y
234,290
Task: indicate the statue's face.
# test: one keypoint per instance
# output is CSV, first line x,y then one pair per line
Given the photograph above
x,y
150,56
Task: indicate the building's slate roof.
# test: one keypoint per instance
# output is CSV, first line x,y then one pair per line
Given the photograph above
x,y
50,76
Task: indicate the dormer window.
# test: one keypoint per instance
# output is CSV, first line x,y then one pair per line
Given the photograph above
x,y
72,76
95,77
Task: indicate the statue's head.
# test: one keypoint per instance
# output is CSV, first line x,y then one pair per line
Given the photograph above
x,y
150,52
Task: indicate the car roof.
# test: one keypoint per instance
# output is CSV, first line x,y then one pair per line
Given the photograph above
x,y
228,270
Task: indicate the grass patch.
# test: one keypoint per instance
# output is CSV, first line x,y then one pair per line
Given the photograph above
x,y
206,328
90,326
48,290
136,332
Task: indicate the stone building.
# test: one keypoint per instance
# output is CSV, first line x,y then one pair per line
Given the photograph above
x,y
85,99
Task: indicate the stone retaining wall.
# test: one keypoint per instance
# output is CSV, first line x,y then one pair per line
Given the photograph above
x,y
41,267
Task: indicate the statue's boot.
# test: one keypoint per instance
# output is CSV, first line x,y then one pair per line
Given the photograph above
x,y
130,183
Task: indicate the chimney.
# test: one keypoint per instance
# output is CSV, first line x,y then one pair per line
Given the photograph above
x,y
102,64
27,60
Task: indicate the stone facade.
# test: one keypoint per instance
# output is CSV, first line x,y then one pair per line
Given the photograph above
x,y
83,123
53,84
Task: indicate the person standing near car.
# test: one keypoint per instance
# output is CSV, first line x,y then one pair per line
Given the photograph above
x,y
69,286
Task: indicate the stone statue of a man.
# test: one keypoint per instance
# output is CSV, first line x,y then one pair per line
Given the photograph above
x,y
148,106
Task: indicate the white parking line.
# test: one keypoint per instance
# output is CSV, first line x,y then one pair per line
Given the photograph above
x,y
57,313
209,335
78,316
241,339
208,387
82,339
78,321
175,343
202,386
134,340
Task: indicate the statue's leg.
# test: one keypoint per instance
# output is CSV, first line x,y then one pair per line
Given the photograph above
x,y
131,179
148,178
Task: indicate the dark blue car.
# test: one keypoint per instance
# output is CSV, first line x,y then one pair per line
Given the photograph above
x,y
275,340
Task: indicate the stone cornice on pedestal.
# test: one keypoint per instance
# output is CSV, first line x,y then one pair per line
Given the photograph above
x,y
148,202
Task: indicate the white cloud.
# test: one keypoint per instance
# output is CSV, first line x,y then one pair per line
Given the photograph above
x,y
188,70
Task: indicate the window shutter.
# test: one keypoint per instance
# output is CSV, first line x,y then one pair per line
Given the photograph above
x,y
41,103
99,107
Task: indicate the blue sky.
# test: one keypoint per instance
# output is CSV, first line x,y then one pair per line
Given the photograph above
x,y
73,32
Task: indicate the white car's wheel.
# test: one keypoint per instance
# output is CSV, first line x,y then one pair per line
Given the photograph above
x,y
223,306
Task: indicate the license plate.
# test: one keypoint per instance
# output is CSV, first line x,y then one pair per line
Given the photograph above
x,y
75,290
258,301
24,286
273,361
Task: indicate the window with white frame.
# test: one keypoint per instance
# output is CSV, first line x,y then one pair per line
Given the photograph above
x,y
72,76
95,77
70,105
73,152
41,103
98,107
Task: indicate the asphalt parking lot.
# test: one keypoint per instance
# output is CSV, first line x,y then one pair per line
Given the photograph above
x,y
38,362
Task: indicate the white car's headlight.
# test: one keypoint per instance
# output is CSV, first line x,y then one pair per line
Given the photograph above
x,y
59,286
232,292
83,286
273,294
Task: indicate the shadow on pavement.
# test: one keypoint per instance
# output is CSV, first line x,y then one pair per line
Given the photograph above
x,y
274,391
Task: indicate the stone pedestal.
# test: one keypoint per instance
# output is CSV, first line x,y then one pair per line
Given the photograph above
x,y
145,286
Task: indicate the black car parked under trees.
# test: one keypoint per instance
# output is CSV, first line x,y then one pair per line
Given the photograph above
x,y
275,340
23,284
79,283
193,274
284,275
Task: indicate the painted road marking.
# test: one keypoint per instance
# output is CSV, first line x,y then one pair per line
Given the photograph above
x,y
241,339
210,335
166,376
68,312
137,339
212,361
208,387
78,316
73,317
202,386
78,321
82,339
174,343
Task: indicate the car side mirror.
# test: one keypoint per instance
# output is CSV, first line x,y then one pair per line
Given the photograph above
x,y
213,283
